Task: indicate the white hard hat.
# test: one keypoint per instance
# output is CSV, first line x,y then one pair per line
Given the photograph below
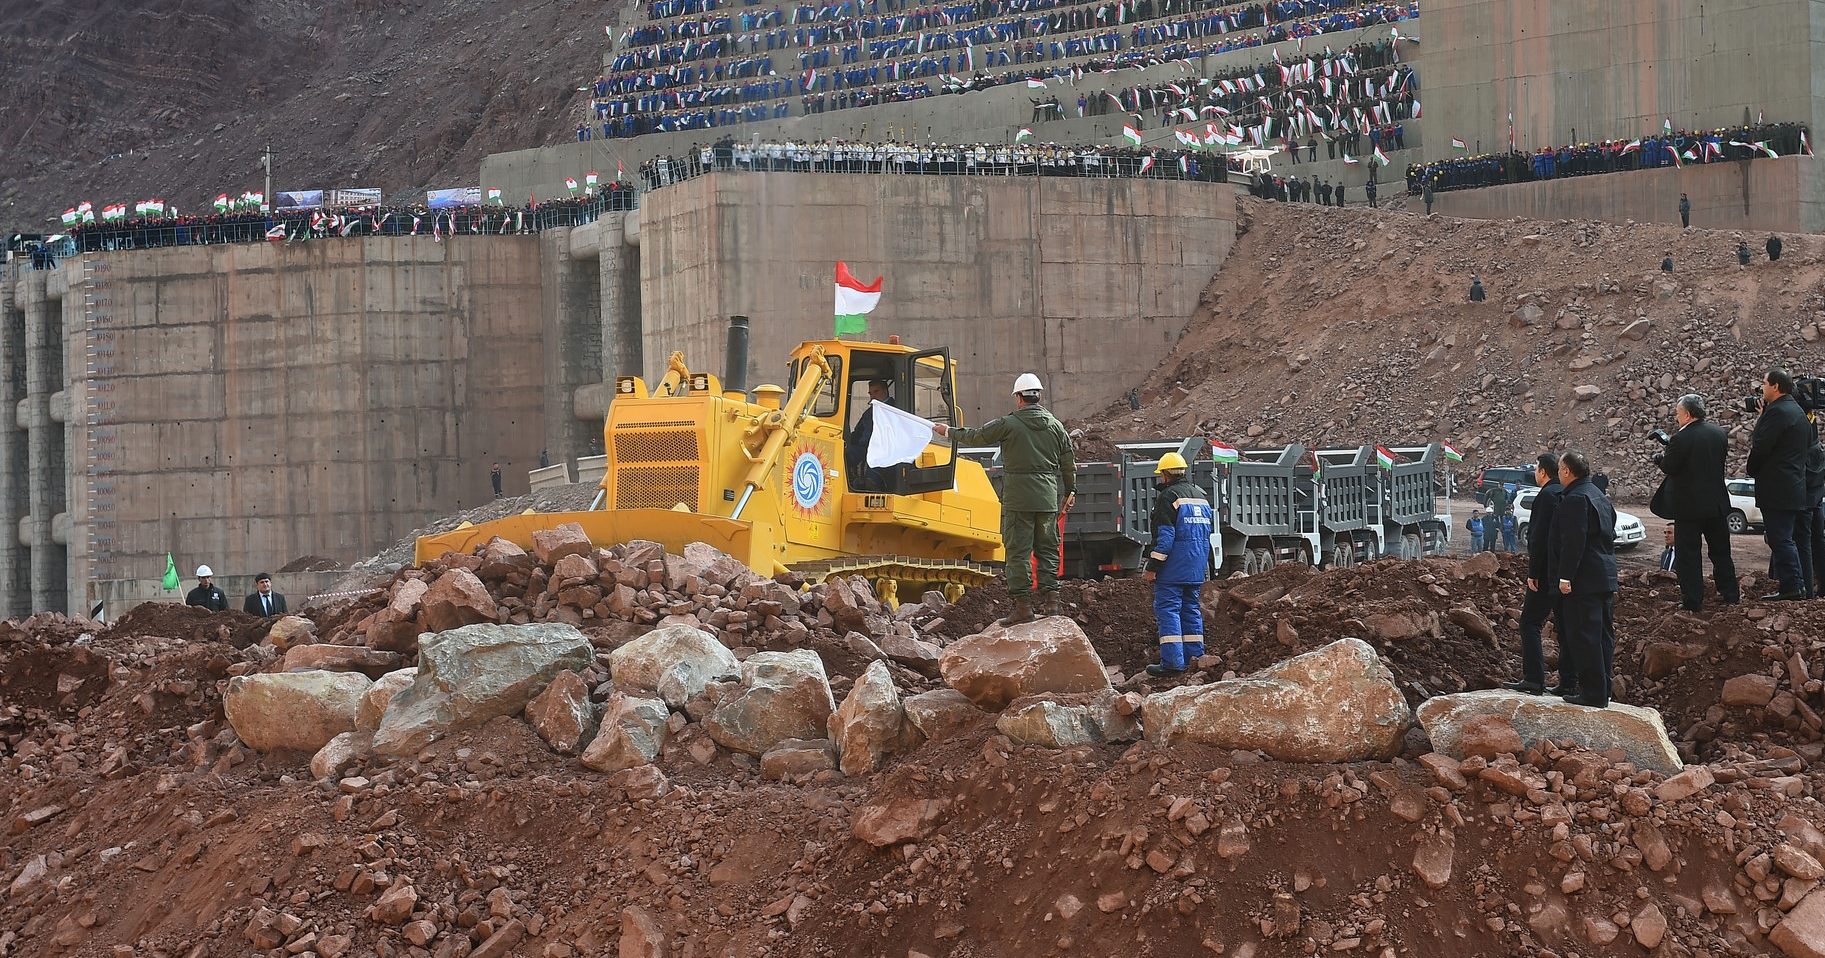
x,y
204,572
1027,383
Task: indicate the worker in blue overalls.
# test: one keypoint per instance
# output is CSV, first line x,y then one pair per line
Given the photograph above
x,y
1177,565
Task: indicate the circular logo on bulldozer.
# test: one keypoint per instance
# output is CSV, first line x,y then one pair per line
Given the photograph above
x,y
808,479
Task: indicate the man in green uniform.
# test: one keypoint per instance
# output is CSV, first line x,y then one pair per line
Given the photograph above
x,y
1036,457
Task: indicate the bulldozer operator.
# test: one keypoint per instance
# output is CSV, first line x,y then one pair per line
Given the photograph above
x,y
1037,458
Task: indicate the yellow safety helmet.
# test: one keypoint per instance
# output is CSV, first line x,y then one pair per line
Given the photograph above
x,y
1170,462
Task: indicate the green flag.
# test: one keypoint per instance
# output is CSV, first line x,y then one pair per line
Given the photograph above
x,y
170,572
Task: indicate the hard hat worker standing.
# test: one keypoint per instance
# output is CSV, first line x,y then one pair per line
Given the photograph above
x,y
1178,564
206,594
1036,453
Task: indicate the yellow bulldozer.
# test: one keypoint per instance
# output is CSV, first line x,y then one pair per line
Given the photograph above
x,y
776,481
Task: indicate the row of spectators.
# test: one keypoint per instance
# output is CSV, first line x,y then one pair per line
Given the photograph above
x,y
873,37
1676,148
980,159
292,225
681,96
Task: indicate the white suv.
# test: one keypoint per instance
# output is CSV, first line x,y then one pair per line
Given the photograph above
x,y
1629,531
1744,515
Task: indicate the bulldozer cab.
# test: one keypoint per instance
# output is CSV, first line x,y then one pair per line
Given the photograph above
x,y
919,382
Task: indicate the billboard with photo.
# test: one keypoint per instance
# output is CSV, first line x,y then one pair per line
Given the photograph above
x,y
359,197
298,199
444,199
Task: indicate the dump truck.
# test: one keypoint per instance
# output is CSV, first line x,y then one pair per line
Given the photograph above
x,y
1337,508
769,478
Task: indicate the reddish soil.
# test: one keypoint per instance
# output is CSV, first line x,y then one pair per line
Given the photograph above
x,y
179,840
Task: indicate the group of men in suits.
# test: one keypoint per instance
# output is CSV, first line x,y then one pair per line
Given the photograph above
x,y
263,601
1571,578
1571,543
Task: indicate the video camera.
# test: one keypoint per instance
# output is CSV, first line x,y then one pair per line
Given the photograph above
x,y
1808,391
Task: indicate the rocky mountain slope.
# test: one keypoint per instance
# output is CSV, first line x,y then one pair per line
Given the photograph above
x,y
1343,327
176,100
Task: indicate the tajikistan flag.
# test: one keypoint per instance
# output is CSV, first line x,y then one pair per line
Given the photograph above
x,y
1381,157
1131,134
854,301
1451,452
1459,145
1224,453
1384,457
1023,134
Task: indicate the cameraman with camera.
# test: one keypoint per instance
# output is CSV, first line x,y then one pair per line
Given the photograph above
x,y
1693,496
1777,461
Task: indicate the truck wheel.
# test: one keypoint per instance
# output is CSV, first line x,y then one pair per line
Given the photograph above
x,y
1738,522
1340,557
1266,561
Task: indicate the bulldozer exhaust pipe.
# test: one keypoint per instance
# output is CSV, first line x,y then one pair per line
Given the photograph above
x,y
735,370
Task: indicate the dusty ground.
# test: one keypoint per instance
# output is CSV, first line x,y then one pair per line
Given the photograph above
x,y
163,835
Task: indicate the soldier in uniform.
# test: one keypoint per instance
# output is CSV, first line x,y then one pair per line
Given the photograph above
x,y
1038,460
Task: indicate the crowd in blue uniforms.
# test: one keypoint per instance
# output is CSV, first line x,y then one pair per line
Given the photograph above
x,y
1609,156
858,53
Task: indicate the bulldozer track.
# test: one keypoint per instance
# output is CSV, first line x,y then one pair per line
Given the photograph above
x,y
888,572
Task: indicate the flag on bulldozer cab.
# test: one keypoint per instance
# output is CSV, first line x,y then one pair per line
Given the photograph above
x,y
854,301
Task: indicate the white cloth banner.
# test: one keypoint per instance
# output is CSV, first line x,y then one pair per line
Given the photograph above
x,y
898,436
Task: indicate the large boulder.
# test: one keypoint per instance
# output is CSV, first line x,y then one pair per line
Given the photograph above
x,y
1061,721
340,752
372,663
562,714
941,713
633,731
469,675
290,630
871,724
676,661
1638,732
1000,665
374,703
569,539
457,599
781,695
297,710
1333,704
395,627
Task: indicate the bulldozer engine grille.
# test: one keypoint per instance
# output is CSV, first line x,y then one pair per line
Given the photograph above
x,y
656,468
656,445
655,487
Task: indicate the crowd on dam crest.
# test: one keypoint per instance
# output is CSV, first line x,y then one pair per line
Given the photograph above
x,y
674,78
1670,149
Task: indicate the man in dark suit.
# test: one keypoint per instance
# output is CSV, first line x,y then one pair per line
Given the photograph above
x,y
264,602
1541,600
1777,460
1583,557
1693,496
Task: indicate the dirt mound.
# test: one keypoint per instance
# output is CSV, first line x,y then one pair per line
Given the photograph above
x,y
186,623
311,564
1371,338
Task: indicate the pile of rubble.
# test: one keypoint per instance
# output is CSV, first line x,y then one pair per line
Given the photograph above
x,y
567,752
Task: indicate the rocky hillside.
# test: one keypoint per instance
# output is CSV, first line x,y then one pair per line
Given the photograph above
x,y
1341,327
175,100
